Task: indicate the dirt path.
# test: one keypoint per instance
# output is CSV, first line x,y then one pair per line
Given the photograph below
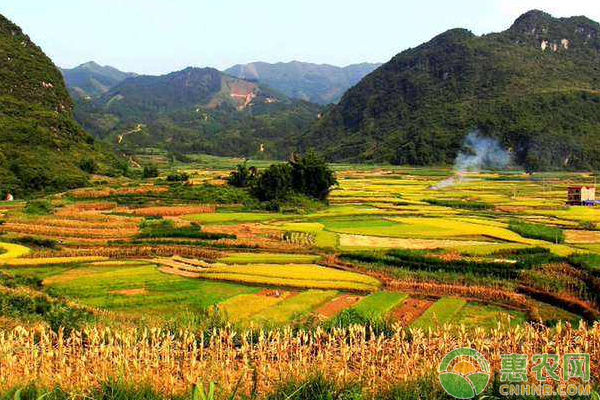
x,y
336,305
137,128
410,309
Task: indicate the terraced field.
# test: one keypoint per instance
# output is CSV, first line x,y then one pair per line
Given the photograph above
x,y
131,249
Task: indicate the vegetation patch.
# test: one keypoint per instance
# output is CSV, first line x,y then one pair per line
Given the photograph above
x,y
378,304
548,233
440,313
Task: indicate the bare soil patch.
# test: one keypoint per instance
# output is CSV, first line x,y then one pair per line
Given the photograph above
x,y
410,309
277,293
336,305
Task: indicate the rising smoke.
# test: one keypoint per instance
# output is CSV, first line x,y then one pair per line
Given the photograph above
x,y
478,152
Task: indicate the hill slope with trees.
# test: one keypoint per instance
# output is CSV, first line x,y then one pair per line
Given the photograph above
x,y
198,110
535,87
41,145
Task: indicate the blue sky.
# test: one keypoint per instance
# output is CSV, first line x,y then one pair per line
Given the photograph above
x,y
160,36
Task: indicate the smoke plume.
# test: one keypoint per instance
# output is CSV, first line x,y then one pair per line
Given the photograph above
x,y
478,152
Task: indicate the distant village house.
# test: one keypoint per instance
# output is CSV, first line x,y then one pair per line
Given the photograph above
x,y
581,195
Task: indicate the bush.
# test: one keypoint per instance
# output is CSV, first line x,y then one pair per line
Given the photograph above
x,y
552,234
150,171
89,165
178,177
36,242
468,205
589,225
38,207
165,230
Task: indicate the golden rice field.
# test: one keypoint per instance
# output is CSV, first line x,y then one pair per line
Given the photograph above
x,y
445,267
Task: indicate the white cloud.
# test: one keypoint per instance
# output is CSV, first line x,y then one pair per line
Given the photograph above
x,y
558,8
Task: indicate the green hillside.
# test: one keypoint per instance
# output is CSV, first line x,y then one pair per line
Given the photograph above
x,y
41,145
198,110
535,86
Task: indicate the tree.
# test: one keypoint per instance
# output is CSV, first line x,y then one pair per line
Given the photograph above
x,y
312,176
275,183
244,176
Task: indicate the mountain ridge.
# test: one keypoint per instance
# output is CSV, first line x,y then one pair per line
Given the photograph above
x,y
533,86
91,79
318,83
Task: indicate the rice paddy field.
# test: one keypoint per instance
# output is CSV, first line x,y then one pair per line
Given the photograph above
x,y
153,277
463,260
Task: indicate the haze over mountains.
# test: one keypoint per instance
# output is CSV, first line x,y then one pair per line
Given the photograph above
x,y
535,86
91,79
321,84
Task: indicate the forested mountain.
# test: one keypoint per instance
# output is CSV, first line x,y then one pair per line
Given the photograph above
x,y
41,145
318,83
198,110
535,86
91,79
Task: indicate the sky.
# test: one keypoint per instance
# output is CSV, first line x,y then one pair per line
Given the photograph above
x,y
161,36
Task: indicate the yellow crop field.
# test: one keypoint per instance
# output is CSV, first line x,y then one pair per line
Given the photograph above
x,y
290,282
50,260
13,251
294,271
244,305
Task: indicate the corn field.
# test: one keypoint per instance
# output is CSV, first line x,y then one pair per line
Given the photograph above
x,y
129,252
172,362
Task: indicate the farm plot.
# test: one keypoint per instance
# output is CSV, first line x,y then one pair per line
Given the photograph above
x,y
441,312
290,275
117,288
243,306
378,304
476,314
294,307
269,258
12,251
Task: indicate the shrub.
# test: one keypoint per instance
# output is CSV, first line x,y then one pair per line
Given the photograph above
x,y
589,225
89,165
166,230
178,177
36,242
150,171
552,234
312,176
38,207
468,205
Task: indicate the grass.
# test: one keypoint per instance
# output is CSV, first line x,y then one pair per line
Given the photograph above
x,y
441,312
164,294
378,304
295,306
12,250
269,258
476,314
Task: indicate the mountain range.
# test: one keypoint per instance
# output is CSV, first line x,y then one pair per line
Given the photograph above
x,y
198,110
534,86
42,147
91,79
317,83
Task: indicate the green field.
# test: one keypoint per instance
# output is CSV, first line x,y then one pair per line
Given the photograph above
x,y
378,304
441,312
294,307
